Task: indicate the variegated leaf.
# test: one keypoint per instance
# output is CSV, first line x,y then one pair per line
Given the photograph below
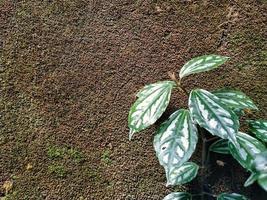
x,y
235,99
175,140
251,179
247,150
202,64
262,181
178,196
232,196
152,102
220,146
259,128
260,162
147,89
208,111
183,174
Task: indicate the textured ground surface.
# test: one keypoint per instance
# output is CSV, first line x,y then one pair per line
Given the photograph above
x,y
69,71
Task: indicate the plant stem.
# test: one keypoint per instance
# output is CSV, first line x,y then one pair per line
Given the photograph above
x,y
178,82
211,139
204,193
182,89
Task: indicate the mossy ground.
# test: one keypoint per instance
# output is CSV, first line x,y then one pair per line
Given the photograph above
x,y
69,71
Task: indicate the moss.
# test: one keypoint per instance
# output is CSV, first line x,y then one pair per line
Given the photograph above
x,y
75,155
110,185
144,185
93,174
2,2
55,152
254,44
43,63
23,195
105,157
82,198
57,170
12,196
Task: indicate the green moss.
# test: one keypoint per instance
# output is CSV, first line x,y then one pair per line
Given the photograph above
x,y
93,174
12,196
253,44
105,157
21,194
2,2
61,155
110,185
75,155
57,170
55,152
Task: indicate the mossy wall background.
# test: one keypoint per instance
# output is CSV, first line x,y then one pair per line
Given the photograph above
x,y
69,71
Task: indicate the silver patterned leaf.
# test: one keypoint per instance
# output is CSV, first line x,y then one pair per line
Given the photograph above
x,y
248,148
183,174
262,181
175,140
235,99
260,162
231,196
220,146
251,179
178,196
152,101
202,64
259,128
214,116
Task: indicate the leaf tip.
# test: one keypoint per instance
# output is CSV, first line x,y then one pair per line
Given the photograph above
x,y
180,75
225,58
131,132
246,184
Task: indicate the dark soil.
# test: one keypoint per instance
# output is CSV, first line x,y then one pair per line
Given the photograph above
x,y
69,72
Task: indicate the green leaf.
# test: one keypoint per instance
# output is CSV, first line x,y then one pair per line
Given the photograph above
x,y
259,128
202,64
232,196
251,179
260,162
178,196
220,146
175,140
235,99
247,150
214,116
262,181
183,174
152,102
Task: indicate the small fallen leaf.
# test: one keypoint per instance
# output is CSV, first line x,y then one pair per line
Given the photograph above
x,y
7,186
29,166
248,111
220,163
